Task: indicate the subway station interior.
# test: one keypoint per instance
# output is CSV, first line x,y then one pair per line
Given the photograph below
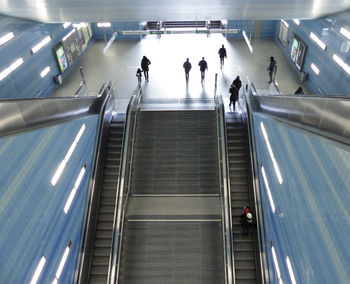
x,y
110,177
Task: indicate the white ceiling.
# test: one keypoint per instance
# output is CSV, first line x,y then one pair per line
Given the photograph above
x,y
160,10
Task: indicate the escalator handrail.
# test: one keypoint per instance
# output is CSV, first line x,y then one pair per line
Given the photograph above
x,y
123,180
261,244
226,196
21,115
105,115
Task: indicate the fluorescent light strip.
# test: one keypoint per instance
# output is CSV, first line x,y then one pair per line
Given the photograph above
x,y
285,23
62,165
104,25
277,170
296,21
74,190
45,41
68,35
38,270
318,41
276,264
63,261
248,42
337,59
272,204
45,72
343,31
315,69
290,270
11,68
66,25
6,38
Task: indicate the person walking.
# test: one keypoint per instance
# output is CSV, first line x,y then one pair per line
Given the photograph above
x,y
187,66
222,55
144,65
272,69
238,83
202,67
139,75
234,96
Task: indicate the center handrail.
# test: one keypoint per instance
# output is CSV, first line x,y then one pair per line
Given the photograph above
x,y
225,195
123,185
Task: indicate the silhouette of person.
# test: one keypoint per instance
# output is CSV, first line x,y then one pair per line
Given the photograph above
x,y
222,55
202,67
139,75
299,91
272,69
187,66
237,82
144,65
234,96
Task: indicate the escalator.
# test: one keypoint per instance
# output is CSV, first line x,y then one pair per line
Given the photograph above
x,y
243,246
105,214
173,226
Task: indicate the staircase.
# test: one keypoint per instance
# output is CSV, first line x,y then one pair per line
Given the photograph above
x,y
173,230
243,246
104,226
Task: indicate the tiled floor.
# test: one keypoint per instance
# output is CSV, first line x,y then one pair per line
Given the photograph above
x,y
166,76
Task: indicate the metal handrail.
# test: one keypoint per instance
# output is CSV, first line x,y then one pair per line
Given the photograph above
x,y
226,195
123,181
263,262
105,115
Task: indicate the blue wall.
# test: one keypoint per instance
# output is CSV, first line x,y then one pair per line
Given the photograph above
x,y
311,223
116,27
32,220
25,81
267,28
332,80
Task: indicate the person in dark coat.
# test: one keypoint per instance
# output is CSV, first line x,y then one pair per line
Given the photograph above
x,y
299,91
187,66
234,96
144,65
237,82
272,69
202,67
222,55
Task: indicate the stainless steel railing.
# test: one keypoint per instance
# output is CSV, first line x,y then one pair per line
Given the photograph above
x,y
225,193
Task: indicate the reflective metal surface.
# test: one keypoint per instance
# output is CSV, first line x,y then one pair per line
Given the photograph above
x,y
153,10
23,115
325,116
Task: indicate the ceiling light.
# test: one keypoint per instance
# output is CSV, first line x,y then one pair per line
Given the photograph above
x,y
10,69
274,257
68,35
285,23
315,69
296,21
41,44
343,31
104,25
66,25
340,62
38,270
277,170
74,190
63,261
272,204
248,42
45,72
6,38
290,270
318,41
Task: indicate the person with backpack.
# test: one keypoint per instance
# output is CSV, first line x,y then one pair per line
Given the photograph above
x,y
187,66
202,67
